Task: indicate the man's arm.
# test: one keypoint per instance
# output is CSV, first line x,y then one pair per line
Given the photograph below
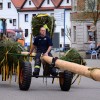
x,y
49,49
32,48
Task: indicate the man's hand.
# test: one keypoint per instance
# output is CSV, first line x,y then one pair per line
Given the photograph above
x,y
32,48
46,54
29,54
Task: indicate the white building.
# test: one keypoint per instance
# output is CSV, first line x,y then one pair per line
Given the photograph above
x,y
21,12
8,11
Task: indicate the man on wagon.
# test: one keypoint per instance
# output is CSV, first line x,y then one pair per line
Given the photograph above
x,y
43,45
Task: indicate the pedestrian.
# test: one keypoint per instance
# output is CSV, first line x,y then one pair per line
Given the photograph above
x,y
91,48
98,49
43,45
92,45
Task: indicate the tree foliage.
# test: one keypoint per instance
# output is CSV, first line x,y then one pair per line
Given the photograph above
x,y
94,9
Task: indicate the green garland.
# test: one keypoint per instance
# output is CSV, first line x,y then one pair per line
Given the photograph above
x,y
8,46
41,20
73,56
10,59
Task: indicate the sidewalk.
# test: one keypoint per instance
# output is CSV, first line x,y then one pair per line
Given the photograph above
x,y
93,62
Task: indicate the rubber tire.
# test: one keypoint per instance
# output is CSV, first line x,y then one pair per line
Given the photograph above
x,y
26,74
65,80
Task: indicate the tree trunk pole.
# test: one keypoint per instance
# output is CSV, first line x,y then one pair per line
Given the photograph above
x,y
75,68
93,73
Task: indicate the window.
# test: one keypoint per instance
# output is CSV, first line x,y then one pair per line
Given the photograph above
x,y
9,4
33,15
91,5
1,26
75,5
60,45
10,21
26,17
14,22
29,2
52,14
74,31
62,32
67,1
90,34
26,32
1,6
48,1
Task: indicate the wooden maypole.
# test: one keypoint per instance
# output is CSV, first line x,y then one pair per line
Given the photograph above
x,y
93,73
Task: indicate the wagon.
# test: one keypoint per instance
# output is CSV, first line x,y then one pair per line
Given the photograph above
x,y
25,76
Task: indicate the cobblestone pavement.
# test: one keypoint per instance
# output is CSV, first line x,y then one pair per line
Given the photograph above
x,y
87,90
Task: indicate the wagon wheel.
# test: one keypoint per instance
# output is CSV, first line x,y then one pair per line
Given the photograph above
x,y
25,76
65,80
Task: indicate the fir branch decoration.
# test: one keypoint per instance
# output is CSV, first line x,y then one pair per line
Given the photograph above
x,y
10,58
8,46
73,56
40,20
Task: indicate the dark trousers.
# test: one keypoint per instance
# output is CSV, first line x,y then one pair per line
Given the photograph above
x,y
38,60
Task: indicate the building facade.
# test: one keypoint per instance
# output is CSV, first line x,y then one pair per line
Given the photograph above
x,y
8,11
19,14
81,23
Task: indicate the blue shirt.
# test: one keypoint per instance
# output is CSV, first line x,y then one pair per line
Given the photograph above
x,y
42,43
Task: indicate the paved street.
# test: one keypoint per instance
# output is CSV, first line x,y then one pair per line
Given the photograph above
x,y
87,90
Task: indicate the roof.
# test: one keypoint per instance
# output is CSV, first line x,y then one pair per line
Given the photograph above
x,y
44,8
18,3
37,3
56,2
